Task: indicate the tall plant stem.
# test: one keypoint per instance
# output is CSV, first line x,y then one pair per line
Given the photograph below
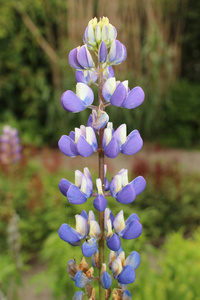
x,y
101,176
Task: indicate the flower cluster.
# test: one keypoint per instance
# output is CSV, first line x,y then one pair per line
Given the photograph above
x,y
99,136
9,145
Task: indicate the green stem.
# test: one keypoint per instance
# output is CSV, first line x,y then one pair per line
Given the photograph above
x,y
101,176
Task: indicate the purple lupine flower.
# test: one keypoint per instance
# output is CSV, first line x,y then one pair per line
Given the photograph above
x,y
124,270
129,229
117,53
86,76
86,228
80,58
118,141
9,145
82,142
79,192
98,119
83,98
124,191
119,94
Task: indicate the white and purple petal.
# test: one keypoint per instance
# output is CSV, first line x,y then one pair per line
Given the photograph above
x,y
109,88
133,260
84,57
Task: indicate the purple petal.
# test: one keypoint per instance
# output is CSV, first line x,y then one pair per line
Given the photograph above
x,y
133,260
127,275
78,296
139,184
89,247
100,202
84,58
126,195
81,280
132,230
112,149
132,145
106,280
111,72
114,242
134,98
125,296
90,121
79,75
102,53
68,234
83,147
71,102
106,184
72,135
119,95
132,217
73,59
75,196
84,215
64,185
67,146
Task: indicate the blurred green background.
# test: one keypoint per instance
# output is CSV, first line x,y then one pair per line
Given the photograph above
x,y
163,44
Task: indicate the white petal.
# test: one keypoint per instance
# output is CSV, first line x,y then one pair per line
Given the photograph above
x,y
107,135
78,133
124,177
119,223
117,266
121,134
82,90
95,230
91,216
83,185
78,178
109,228
81,225
99,186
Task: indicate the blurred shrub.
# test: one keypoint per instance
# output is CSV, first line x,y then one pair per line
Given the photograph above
x,y
180,125
170,198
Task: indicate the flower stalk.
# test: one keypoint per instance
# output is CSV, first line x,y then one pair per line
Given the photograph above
x,y
110,230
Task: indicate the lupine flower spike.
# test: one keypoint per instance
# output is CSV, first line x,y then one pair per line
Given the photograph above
x,y
92,232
